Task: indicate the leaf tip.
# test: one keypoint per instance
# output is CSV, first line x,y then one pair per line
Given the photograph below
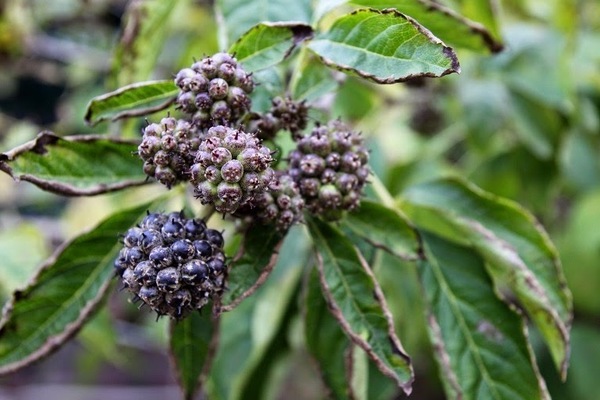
x,y
454,64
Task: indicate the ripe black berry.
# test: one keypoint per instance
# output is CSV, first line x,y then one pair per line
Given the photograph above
x,y
173,264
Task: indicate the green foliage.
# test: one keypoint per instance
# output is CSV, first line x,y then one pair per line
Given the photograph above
x,y
64,293
76,165
480,345
131,100
383,46
442,263
191,342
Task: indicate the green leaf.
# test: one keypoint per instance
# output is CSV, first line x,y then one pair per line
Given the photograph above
x,y
480,345
356,301
446,24
252,265
248,330
267,44
386,229
22,247
133,100
240,15
144,33
325,340
64,293
311,79
384,46
517,251
75,165
535,124
192,348
271,84
484,12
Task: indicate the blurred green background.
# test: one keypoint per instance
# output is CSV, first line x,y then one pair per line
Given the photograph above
x,y
523,124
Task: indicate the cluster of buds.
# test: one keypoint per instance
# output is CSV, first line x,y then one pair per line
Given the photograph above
x,y
176,265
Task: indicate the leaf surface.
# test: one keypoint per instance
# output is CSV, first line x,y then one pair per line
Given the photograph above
x,y
192,346
356,301
238,16
256,259
443,22
311,79
384,228
75,165
137,99
65,292
480,345
384,46
267,44
248,331
518,252
325,340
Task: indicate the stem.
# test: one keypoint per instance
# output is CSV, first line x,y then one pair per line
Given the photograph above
x,y
381,192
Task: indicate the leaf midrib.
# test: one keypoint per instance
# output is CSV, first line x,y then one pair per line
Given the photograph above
x,y
464,328
66,305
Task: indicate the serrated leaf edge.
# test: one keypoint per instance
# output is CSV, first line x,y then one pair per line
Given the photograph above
x,y
54,342
356,338
262,278
448,52
210,355
47,138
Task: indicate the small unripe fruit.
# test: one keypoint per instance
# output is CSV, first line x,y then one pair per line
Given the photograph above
x,y
330,167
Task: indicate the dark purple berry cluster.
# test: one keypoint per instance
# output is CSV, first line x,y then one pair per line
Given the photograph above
x,y
285,113
168,150
281,205
231,168
330,167
172,264
214,90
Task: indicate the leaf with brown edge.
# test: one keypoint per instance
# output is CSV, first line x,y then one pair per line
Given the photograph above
x,y
325,340
386,229
448,25
518,252
83,165
384,46
480,344
254,262
65,292
356,300
193,342
268,43
135,100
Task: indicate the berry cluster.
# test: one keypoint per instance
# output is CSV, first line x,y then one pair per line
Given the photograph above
x,y
281,205
231,168
173,264
330,168
176,265
285,113
214,90
168,149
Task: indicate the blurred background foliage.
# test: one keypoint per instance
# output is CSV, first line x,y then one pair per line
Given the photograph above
x,y
523,124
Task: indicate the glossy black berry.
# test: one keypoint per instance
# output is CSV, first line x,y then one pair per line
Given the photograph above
x,y
203,248
173,264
